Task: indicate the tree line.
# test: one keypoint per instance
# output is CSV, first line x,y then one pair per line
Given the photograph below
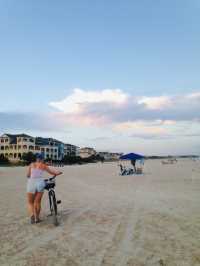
x,y
30,157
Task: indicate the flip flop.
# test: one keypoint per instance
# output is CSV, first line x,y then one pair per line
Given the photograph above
x,y
38,221
32,219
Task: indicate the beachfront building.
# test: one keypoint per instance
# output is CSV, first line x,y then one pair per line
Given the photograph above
x,y
13,146
86,152
51,148
71,150
110,156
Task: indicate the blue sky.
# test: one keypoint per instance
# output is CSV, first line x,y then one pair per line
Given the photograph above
x,y
143,48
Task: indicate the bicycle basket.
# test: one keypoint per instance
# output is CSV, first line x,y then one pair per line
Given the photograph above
x,y
49,185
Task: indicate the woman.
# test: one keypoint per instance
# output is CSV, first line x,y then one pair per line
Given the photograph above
x,y
35,186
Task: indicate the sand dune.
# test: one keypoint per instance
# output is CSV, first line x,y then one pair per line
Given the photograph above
x,y
106,219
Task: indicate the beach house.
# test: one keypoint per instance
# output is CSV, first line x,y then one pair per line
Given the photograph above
x,y
109,156
71,150
86,152
13,146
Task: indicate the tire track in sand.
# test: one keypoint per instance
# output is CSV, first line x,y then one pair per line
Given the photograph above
x,y
43,239
121,247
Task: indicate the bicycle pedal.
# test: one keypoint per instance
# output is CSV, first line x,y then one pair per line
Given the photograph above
x,y
58,201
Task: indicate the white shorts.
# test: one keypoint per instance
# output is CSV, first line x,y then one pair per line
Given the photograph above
x,y
35,185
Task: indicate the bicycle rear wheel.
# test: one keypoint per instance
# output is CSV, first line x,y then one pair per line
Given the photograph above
x,y
54,209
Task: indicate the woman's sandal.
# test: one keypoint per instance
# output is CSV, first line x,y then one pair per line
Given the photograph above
x,y
32,219
38,221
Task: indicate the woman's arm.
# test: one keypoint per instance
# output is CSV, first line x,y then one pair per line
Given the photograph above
x,y
29,171
52,171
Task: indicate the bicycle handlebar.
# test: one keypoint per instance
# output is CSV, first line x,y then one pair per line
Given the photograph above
x,y
50,179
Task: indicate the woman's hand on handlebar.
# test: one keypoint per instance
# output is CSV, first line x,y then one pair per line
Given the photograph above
x,y
59,173
52,171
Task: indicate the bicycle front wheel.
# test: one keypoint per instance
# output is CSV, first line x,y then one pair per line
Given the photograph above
x,y
54,209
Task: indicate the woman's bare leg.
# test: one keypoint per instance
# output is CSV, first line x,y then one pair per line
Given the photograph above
x,y
30,199
37,204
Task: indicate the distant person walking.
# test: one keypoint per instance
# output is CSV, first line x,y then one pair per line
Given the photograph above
x,y
36,185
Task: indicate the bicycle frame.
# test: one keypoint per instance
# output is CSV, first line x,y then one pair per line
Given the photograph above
x,y
50,185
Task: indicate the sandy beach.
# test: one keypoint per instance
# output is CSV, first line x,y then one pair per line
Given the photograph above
x,y
106,219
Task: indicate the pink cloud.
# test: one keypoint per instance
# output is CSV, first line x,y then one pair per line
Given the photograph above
x,y
128,113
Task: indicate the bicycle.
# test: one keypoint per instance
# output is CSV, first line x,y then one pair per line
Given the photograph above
x,y
49,186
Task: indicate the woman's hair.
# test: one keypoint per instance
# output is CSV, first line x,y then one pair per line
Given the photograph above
x,y
39,157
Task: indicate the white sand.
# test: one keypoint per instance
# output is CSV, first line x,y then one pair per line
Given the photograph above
x,y
106,219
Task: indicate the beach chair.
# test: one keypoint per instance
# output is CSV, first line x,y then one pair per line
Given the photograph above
x,y
123,170
130,171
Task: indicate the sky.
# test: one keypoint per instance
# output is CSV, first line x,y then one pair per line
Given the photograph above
x,y
114,75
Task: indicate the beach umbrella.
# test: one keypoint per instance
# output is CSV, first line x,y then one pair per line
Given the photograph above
x,y
131,156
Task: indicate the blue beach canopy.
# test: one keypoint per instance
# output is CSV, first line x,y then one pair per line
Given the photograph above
x,y
131,156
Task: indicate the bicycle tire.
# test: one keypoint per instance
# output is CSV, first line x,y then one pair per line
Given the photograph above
x,y
50,202
54,209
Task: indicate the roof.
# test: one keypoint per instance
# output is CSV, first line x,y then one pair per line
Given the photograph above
x,y
87,148
131,156
71,145
17,135
46,141
41,141
13,137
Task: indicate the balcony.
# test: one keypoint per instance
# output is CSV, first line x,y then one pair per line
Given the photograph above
x,y
31,148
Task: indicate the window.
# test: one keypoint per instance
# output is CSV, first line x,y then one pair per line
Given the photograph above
x,y
24,147
6,140
51,150
19,147
47,149
2,140
2,148
31,140
55,150
19,139
42,149
24,139
31,148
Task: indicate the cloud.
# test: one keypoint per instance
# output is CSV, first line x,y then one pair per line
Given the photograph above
x,y
100,139
194,95
116,111
145,116
156,103
16,121
142,129
79,99
112,106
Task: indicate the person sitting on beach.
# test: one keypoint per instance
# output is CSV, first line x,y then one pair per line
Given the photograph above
x,y
36,185
123,169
